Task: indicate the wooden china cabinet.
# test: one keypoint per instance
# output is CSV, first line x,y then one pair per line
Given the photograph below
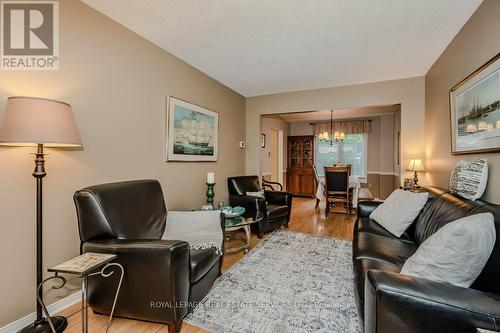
x,y
300,172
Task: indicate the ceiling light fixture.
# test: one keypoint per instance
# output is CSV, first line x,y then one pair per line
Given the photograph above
x,y
331,137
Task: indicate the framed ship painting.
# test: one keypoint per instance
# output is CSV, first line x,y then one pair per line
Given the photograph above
x,y
475,111
192,133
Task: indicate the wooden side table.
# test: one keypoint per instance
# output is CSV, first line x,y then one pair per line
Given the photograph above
x,y
85,266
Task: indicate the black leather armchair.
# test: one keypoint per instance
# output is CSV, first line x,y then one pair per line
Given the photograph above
x,y
163,278
276,207
391,302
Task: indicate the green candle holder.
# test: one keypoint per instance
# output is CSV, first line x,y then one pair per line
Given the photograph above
x,y
210,194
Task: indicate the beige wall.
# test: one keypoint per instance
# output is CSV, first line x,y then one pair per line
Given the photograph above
x,y
476,43
301,128
408,92
118,84
381,172
266,124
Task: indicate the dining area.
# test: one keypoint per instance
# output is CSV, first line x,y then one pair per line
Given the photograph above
x,y
340,163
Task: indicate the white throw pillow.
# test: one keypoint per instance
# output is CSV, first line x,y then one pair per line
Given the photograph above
x,y
469,178
259,194
399,210
456,253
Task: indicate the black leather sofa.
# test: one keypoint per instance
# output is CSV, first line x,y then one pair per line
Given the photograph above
x,y
391,302
163,278
275,208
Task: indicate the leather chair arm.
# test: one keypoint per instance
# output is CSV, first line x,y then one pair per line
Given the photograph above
x,y
399,303
253,205
278,197
365,208
158,268
138,247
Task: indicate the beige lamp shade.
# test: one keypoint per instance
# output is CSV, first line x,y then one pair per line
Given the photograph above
x,y
416,165
29,121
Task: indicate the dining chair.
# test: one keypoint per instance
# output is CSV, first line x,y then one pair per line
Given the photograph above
x,y
349,166
318,183
337,188
340,165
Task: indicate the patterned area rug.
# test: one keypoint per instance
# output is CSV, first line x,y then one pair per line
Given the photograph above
x,y
290,282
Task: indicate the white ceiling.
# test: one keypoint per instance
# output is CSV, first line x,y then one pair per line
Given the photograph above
x,y
323,115
266,46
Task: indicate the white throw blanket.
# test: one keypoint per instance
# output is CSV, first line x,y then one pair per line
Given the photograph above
x,y
201,229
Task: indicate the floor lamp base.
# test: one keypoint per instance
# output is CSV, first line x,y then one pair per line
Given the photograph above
x,y
60,323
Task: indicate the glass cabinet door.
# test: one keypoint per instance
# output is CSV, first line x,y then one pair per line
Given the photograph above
x,y
295,153
308,153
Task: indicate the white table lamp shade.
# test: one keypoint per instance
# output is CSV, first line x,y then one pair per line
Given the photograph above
x,y
29,121
415,165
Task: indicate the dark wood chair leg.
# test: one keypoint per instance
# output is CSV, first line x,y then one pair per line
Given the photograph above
x,y
260,235
317,203
175,327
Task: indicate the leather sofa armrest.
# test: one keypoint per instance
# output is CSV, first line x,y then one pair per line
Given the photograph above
x,y
365,208
278,197
253,205
400,303
158,270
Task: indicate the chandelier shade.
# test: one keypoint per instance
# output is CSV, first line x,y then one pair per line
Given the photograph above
x,y
332,136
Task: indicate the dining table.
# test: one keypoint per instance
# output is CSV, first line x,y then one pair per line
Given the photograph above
x,y
354,183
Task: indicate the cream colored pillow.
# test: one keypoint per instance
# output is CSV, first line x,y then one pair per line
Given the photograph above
x,y
259,194
456,253
399,210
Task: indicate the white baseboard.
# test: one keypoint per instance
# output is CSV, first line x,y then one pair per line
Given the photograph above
x,y
53,308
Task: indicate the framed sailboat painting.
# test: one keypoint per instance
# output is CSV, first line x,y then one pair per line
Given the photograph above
x,y
475,111
193,132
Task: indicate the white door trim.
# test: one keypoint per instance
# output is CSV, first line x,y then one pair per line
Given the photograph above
x,y
280,156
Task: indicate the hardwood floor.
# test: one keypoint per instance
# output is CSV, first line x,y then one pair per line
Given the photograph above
x,y
304,219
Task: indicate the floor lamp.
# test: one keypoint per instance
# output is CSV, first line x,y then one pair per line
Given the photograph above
x,y
30,121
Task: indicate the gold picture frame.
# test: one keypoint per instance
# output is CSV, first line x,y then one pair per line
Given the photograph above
x,y
475,111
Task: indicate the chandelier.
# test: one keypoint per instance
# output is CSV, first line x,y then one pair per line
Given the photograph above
x,y
332,137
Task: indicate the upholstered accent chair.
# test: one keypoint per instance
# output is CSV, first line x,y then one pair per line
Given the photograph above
x,y
275,207
128,219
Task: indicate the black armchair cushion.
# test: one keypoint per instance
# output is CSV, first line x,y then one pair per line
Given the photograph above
x,y
275,211
201,262
278,197
242,184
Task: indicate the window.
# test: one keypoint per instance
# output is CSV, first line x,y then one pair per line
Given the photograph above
x,y
352,151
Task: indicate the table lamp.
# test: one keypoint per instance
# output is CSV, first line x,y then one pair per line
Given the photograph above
x,y
30,121
416,166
